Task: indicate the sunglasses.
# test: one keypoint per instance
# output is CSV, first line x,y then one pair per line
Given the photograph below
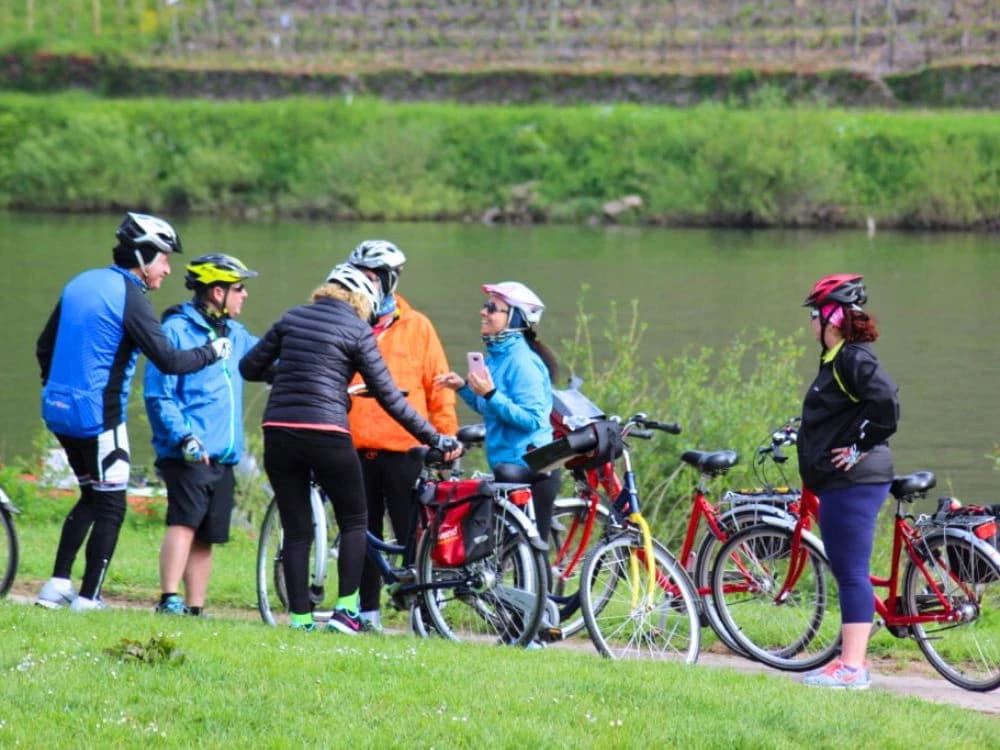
x,y
491,307
238,287
814,314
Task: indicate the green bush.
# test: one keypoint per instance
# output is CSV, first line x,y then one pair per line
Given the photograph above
x,y
727,399
364,159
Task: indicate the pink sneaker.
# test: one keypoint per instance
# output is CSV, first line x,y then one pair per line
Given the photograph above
x,y
836,674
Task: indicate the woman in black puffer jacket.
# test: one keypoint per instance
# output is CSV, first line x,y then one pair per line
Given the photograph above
x,y
311,354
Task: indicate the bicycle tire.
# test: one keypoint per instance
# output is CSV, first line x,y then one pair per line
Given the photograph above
x,y
730,522
272,597
498,599
966,653
9,551
569,514
665,628
800,633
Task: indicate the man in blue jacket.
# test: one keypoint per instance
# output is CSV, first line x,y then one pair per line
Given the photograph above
x,y
87,353
197,423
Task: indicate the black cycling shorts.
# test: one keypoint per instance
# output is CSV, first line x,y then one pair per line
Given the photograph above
x,y
199,496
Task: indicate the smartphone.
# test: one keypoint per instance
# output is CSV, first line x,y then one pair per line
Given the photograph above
x,y
476,364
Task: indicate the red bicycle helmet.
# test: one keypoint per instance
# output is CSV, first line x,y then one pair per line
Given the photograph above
x,y
842,288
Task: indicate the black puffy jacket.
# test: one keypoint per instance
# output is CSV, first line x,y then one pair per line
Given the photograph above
x,y
852,401
315,350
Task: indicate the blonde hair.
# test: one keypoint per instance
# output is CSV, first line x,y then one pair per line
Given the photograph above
x,y
360,302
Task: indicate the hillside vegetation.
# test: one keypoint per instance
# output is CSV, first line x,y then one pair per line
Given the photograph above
x,y
872,35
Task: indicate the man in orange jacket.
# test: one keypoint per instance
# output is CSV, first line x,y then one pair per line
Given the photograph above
x,y
413,352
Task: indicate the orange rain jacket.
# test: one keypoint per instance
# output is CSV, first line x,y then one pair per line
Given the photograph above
x,y
413,352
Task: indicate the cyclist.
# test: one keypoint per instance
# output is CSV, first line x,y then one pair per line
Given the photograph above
x,y
314,351
849,412
413,353
87,354
514,394
197,424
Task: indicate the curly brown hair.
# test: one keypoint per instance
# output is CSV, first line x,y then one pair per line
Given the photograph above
x,y
858,326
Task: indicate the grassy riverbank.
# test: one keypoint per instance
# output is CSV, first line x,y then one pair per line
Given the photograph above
x,y
365,159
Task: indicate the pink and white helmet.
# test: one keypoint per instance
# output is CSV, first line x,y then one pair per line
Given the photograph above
x,y
518,296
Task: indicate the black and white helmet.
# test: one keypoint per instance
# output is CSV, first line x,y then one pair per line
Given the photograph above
x,y
145,232
354,280
382,257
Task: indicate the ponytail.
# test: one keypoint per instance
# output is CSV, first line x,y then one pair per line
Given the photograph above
x,y
545,353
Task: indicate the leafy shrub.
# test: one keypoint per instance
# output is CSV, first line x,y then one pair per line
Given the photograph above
x,y
727,399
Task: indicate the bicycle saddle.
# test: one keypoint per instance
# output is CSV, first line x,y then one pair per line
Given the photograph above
x,y
712,463
514,474
912,486
471,434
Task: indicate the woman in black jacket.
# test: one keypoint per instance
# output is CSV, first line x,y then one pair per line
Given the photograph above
x,y
312,353
848,414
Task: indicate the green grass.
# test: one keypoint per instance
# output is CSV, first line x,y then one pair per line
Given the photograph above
x,y
243,684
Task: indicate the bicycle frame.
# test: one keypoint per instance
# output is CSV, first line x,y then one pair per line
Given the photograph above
x,y
905,537
592,480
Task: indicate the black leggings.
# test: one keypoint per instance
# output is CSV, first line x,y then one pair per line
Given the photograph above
x,y
292,457
389,478
543,495
96,518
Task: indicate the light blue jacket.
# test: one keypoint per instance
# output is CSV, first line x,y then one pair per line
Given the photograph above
x,y
517,415
207,404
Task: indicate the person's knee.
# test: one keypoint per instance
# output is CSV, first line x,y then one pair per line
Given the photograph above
x,y
110,505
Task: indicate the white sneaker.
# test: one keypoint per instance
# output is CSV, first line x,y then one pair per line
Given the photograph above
x,y
56,593
82,604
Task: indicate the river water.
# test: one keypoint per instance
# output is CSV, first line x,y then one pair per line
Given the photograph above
x,y
933,294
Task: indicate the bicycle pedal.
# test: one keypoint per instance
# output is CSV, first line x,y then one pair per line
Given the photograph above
x,y
550,634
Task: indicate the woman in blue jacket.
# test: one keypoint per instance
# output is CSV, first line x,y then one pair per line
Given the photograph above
x,y
514,393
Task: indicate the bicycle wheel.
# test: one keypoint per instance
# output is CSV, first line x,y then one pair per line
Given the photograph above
x,y
499,598
568,551
8,551
966,652
707,551
795,629
272,597
623,620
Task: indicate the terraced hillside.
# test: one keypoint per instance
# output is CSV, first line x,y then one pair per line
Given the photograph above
x,y
876,36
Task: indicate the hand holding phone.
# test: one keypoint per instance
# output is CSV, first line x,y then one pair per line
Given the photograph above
x,y
477,366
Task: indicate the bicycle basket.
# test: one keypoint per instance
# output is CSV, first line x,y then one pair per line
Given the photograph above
x,y
588,447
460,518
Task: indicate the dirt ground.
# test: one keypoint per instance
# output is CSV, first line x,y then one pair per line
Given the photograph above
x,y
915,679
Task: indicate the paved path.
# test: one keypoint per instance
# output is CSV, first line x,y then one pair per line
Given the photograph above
x,y
934,688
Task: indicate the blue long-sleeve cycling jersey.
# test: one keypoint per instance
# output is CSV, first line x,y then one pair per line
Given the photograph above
x,y
89,346
517,414
207,404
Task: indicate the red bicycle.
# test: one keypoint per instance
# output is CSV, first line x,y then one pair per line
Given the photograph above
x,y
776,595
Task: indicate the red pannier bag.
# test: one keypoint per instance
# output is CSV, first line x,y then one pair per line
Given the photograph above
x,y
460,518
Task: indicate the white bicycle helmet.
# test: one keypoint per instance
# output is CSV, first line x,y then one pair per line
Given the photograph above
x,y
382,257
141,231
354,280
520,298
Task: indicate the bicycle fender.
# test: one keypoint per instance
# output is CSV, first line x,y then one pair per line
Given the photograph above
x,y
762,511
512,510
986,548
789,523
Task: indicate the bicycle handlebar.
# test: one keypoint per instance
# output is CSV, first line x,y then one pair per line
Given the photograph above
x,y
642,420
